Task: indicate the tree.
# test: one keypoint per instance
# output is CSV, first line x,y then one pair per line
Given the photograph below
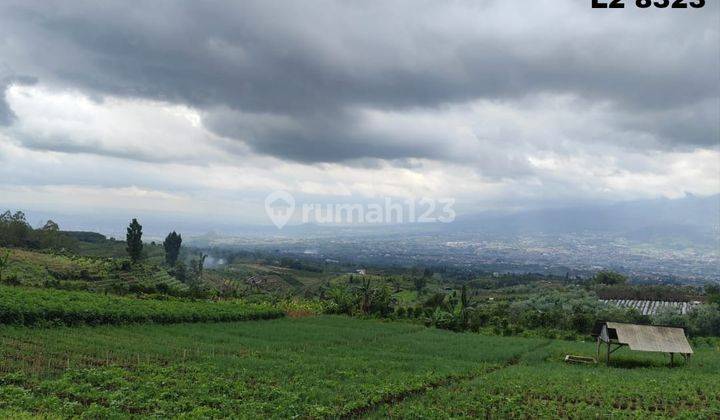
x,y
713,293
134,241
436,300
397,284
51,226
179,271
609,278
381,301
197,266
50,237
15,230
343,299
464,305
4,261
464,298
705,320
420,283
172,245
365,296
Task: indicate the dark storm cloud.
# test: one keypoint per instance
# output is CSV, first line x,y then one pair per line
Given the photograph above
x,y
696,124
65,144
318,138
6,114
288,78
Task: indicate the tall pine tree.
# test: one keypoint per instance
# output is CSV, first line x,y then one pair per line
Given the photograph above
x,y
172,245
134,241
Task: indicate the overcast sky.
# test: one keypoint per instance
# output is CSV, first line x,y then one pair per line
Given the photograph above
x,y
203,108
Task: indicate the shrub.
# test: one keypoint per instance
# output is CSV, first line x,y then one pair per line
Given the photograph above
x,y
344,301
12,280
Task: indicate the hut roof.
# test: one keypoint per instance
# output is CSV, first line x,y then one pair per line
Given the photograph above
x,y
651,338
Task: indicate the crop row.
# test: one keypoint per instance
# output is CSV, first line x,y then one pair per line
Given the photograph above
x,y
312,367
29,306
636,385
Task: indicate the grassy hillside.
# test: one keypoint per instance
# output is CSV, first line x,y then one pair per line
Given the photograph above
x,y
110,248
333,367
103,267
75,272
249,277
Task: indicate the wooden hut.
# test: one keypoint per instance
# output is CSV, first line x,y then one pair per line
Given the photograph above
x,y
650,338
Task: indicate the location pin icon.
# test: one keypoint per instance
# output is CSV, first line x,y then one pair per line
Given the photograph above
x,y
280,206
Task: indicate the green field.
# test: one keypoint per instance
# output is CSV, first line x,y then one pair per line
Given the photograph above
x,y
636,385
332,366
83,272
35,306
92,335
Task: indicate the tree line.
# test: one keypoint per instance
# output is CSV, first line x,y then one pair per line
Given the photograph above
x,y
16,232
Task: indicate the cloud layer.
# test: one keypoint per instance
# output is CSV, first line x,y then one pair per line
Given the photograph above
x,y
550,95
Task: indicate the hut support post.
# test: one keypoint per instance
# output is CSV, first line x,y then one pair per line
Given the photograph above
x,y
607,357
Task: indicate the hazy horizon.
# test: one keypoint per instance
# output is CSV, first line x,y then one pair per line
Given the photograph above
x,y
203,110
627,214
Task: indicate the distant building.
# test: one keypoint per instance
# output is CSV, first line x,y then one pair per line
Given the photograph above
x,y
361,271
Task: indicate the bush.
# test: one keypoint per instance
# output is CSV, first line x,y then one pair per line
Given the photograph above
x,y
12,280
609,277
344,302
705,321
445,320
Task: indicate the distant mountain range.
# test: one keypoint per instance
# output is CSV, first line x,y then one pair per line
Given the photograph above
x,y
692,218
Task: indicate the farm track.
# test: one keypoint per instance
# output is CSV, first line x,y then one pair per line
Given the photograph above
x,y
446,381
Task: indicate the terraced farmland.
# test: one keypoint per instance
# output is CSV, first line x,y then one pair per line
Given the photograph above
x,y
85,273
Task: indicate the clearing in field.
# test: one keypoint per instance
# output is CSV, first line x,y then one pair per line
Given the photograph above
x,y
331,367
